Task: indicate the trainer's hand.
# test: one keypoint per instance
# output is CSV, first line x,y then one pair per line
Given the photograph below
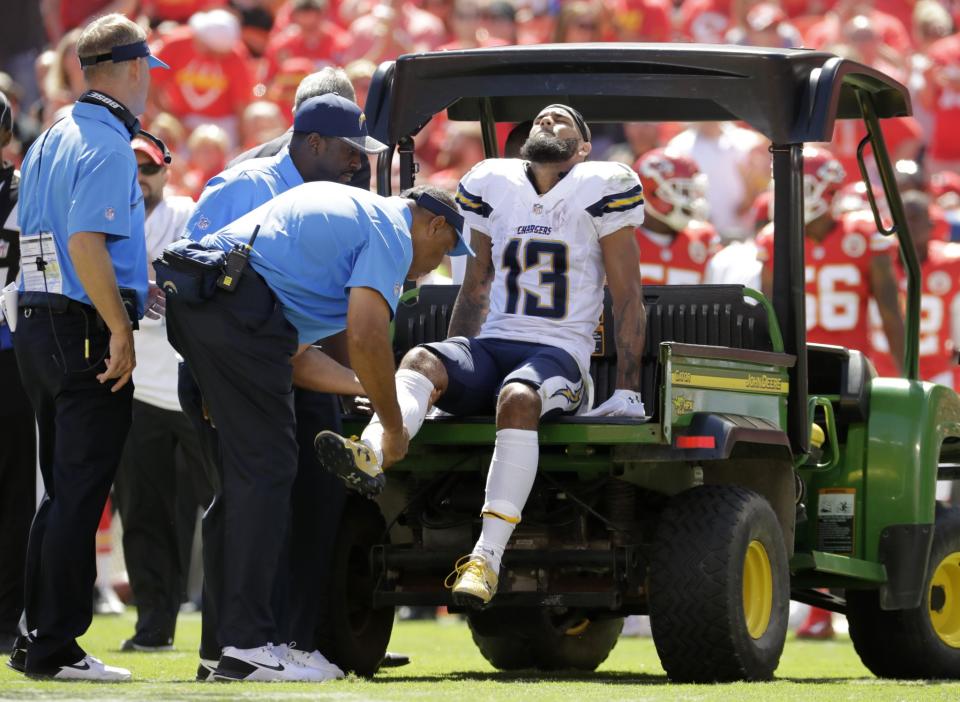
x,y
156,302
622,403
395,445
121,360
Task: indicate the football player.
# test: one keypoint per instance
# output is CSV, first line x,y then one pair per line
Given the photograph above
x,y
675,240
847,262
546,228
939,298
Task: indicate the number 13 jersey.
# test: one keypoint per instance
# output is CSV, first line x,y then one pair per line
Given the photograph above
x,y
548,287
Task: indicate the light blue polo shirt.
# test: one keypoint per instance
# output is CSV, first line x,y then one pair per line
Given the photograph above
x,y
239,190
81,176
319,240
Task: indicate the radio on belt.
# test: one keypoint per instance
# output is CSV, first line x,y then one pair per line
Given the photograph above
x,y
236,263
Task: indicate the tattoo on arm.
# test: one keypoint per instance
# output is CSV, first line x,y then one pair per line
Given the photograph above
x,y
630,319
473,302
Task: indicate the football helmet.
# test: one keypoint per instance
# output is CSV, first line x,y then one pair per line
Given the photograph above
x,y
823,176
674,189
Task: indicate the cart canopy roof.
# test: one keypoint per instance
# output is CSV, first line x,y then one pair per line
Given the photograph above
x,y
789,95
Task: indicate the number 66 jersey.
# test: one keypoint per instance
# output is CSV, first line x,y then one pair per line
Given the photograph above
x,y
548,287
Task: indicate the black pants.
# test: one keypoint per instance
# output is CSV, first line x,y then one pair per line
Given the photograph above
x,y
315,510
238,347
161,470
18,469
82,429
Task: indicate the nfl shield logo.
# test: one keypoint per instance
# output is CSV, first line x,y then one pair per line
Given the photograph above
x,y
538,209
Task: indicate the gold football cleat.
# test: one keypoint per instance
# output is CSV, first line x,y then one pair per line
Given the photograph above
x,y
351,460
474,581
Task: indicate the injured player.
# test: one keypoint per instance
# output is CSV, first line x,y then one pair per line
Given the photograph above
x,y
547,229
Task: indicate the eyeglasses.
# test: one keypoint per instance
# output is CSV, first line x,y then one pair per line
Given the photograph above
x,y
149,169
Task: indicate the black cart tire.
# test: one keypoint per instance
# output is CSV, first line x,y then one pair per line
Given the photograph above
x,y
544,639
360,632
719,586
920,643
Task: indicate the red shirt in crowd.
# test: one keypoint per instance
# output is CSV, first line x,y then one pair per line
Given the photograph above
x,y
705,21
890,30
837,276
200,82
644,20
943,82
901,135
321,48
676,260
177,10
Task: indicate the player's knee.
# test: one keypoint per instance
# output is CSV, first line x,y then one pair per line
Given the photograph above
x,y
518,407
420,360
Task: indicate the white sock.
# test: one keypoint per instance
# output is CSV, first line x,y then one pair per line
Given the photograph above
x,y
413,396
512,472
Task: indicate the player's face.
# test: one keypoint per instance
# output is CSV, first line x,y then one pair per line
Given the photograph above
x,y
554,138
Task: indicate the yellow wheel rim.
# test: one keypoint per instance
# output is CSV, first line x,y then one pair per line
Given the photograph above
x,y
757,589
944,600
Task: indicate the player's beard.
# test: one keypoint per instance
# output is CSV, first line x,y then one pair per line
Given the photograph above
x,y
546,148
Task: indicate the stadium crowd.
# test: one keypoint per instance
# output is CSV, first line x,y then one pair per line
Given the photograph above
x,y
236,65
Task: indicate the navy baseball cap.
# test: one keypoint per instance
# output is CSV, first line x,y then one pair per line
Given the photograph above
x,y
454,219
332,115
127,52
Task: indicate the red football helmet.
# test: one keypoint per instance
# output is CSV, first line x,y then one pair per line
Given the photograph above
x,y
674,189
945,188
823,176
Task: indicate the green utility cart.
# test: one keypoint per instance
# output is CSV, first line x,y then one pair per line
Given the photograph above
x,y
717,511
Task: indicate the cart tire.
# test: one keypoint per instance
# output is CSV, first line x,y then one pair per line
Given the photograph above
x,y
360,632
719,586
923,642
545,639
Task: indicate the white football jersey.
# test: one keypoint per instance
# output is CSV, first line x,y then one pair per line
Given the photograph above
x,y
549,279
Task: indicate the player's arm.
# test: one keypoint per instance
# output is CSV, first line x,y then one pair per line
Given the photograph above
x,y
883,287
473,301
621,261
315,370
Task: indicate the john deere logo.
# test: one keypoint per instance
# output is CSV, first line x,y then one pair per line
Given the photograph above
x,y
682,405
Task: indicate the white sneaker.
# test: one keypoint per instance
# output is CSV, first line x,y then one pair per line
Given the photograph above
x,y
313,659
90,668
262,663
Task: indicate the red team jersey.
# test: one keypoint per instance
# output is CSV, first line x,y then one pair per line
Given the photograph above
x,y
837,280
939,308
678,260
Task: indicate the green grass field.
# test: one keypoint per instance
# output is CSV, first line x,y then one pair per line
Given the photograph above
x,y
446,666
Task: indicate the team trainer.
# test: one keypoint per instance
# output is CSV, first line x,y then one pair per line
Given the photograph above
x,y
84,283
327,257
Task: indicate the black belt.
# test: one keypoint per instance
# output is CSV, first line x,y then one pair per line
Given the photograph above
x,y
55,303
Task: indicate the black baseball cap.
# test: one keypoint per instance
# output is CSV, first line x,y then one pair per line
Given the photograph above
x,y
332,115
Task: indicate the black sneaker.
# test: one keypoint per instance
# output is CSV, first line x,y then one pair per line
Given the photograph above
x,y
132,645
350,460
18,658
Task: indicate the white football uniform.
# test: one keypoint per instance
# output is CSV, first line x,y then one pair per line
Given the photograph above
x,y
549,279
